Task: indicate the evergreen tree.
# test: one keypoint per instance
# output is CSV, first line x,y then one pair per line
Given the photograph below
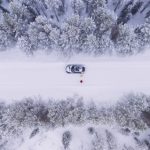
x,y
40,35
103,20
78,6
91,45
126,43
55,8
92,113
143,33
71,27
105,45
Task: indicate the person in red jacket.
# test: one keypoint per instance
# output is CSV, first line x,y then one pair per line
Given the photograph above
x,y
81,81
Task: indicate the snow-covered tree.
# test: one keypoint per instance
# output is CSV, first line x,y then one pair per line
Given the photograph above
x,y
72,27
17,21
128,111
69,41
143,33
75,33
77,113
66,139
126,43
105,45
22,13
88,27
5,39
103,20
97,142
56,9
93,5
54,114
90,46
92,113
40,35
78,6
111,140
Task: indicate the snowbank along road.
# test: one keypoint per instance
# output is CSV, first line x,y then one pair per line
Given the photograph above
x,y
18,80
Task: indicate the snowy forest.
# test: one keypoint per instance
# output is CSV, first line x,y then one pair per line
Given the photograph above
x,y
70,27
44,118
128,119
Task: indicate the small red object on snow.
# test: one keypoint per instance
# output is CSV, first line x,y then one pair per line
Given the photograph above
x,y
81,81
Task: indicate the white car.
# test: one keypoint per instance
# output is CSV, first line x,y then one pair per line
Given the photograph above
x,y
75,68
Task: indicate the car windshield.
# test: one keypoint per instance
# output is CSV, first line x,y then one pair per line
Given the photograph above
x,y
76,68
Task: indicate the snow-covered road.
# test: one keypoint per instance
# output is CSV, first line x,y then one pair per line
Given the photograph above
x,y
101,80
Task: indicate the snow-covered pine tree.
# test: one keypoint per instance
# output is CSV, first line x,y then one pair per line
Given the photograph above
x,y
40,35
87,6
92,113
74,26
5,39
98,142
94,5
55,8
88,27
78,6
105,45
16,22
111,140
52,114
126,43
143,33
7,35
103,20
66,139
69,39
90,46
77,112
128,112
75,33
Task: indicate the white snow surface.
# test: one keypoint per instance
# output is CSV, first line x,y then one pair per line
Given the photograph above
x,y
105,80
80,139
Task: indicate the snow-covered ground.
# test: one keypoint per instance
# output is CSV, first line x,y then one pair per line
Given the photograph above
x,y
104,79
81,139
